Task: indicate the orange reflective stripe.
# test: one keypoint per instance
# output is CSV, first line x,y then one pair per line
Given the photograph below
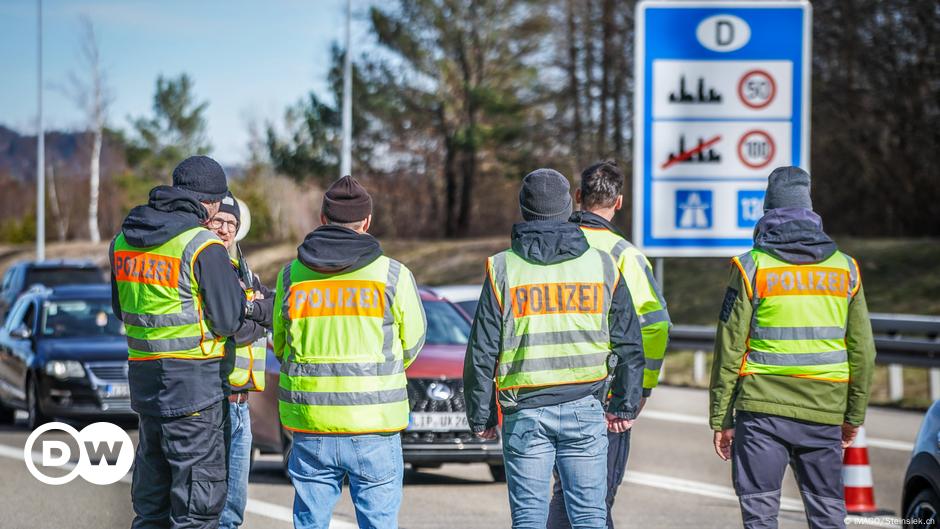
x,y
557,298
802,281
747,280
858,277
147,268
317,298
519,386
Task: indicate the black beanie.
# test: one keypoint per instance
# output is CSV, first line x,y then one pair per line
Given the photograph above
x,y
230,205
545,195
346,201
202,177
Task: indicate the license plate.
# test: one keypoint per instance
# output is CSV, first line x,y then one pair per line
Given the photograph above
x,y
438,422
117,391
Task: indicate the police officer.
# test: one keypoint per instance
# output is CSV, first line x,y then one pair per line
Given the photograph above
x,y
599,197
174,288
554,317
246,371
348,321
794,358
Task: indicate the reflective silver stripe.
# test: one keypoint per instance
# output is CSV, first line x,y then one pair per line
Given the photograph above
x,y
555,363
853,274
152,321
164,345
797,333
502,283
556,338
654,317
343,369
242,362
750,269
257,364
185,278
654,285
310,398
621,246
654,364
412,352
797,359
388,319
285,310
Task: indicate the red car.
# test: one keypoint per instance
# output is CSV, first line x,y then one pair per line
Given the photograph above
x,y
437,432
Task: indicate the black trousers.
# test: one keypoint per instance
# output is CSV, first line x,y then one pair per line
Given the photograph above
x,y
763,447
618,449
180,471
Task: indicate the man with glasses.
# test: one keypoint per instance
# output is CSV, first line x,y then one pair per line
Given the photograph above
x,y
247,372
175,291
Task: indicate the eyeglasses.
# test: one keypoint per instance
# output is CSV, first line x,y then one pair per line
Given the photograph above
x,y
216,223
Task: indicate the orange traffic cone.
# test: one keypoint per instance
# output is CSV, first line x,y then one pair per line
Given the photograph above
x,y
856,475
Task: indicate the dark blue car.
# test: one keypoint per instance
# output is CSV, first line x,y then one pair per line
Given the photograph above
x,y
63,354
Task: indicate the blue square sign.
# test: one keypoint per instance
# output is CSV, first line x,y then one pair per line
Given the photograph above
x,y
721,99
750,208
694,209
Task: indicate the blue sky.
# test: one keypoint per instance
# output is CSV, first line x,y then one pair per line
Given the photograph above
x,y
249,59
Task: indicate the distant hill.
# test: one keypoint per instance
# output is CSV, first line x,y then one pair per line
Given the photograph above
x,y
67,153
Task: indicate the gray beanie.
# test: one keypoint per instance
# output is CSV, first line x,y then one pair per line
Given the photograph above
x,y
202,177
788,187
545,195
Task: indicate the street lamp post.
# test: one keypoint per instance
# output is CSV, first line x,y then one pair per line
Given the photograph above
x,y
40,154
346,161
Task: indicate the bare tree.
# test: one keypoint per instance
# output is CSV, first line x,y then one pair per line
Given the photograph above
x,y
91,92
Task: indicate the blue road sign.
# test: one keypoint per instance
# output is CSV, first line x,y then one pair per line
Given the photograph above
x,y
722,98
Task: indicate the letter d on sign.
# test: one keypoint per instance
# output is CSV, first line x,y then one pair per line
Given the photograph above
x,y
723,33
58,460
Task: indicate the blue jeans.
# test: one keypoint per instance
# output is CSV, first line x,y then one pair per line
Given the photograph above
x,y
618,450
373,463
571,436
239,463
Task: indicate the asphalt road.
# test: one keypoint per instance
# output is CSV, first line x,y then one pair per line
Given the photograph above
x,y
674,480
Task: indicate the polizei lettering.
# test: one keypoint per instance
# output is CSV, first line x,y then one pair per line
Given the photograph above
x,y
557,298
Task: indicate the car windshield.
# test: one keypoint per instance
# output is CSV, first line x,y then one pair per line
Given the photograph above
x,y
80,318
53,277
470,307
446,326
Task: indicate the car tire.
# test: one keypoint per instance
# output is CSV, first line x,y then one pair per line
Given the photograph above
x,y
7,415
499,473
36,417
924,508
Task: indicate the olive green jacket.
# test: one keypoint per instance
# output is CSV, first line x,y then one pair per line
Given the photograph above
x,y
817,401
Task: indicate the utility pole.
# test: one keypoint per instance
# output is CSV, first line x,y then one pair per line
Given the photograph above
x,y
40,155
346,162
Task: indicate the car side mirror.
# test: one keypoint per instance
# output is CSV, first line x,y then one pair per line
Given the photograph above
x,y
21,333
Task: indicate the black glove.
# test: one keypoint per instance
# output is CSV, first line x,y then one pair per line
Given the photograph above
x,y
261,311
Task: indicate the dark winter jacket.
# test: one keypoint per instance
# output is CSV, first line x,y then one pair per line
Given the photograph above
x,y
173,387
543,243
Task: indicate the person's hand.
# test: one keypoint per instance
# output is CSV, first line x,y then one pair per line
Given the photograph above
x,y
489,434
616,424
848,434
723,441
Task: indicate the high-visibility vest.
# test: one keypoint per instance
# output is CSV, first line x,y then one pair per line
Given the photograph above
x,y
159,296
343,368
248,372
555,319
800,315
648,302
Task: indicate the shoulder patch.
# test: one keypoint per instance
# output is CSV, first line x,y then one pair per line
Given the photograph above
x,y
731,295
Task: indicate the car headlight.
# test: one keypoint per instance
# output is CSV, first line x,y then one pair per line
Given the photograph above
x,y
63,369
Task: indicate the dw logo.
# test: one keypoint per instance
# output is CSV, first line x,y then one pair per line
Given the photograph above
x,y
106,453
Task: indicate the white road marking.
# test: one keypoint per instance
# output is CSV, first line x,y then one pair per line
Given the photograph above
x,y
711,490
258,507
873,442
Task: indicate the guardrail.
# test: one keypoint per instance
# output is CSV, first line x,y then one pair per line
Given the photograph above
x,y
900,339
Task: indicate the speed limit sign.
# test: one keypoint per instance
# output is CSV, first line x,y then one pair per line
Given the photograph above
x,y
757,89
756,149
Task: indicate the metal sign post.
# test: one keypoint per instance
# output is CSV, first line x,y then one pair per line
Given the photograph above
x,y
722,98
